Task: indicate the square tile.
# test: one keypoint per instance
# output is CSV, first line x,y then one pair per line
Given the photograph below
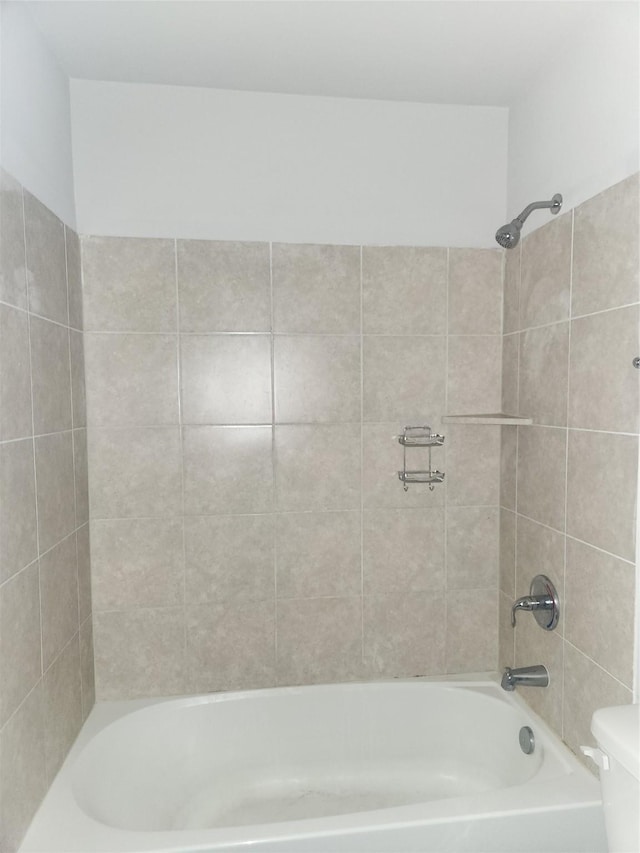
x,y
129,284
508,459
15,374
135,472
472,630
83,546
473,465
473,535
318,554
229,558
13,278
136,563
132,380
540,551
403,550
404,378
542,498
316,469
404,290
55,488
81,473
319,640
475,291
62,707
51,373
507,573
601,508
87,669
18,530
511,298
224,286
46,261
227,470
544,368
74,278
317,379
226,379
59,598
78,386
605,251
316,288
546,273
230,646
510,368
474,376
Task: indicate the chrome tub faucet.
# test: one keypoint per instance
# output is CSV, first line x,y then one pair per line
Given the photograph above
x,y
526,676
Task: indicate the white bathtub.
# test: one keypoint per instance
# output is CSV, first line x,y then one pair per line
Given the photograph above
x,y
396,766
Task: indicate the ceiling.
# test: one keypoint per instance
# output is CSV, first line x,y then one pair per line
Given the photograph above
x,y
482,52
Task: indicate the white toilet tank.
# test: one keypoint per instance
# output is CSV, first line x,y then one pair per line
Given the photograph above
x,y
617,731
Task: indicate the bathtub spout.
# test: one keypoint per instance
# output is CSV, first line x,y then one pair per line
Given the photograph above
x,y
527,676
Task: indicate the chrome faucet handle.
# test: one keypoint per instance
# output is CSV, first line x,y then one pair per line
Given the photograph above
x,y
542,602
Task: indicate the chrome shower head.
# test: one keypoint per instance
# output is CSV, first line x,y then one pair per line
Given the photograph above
x,y
508,235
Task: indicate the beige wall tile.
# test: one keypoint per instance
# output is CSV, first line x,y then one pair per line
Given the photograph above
x,y
13,278
317,379
404,290
23,779
602,511
404,379
227,470
382,458
81,473
58,598
473,538
316,288
506,637
226,379
475,364
403,550
535,646
78,385
18,533
15,374
136,563
83,545
540,551
134,472
51,376
55,488
511,298
508,459
605,252
316,469
229,558
475,291
604,392
139,653
20,658
542,449
544,367
129,284
510,367
507,553
230,646
87,669
598,585
546,273
586,688
472,630
74,278
473,465
46,262
318,554
132,380
319,640
224,286
403,635
62,706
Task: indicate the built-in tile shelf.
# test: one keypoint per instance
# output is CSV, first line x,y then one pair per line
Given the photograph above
x,y
490,418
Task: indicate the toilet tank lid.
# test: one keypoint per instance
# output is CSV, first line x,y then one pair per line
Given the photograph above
x,y
617,731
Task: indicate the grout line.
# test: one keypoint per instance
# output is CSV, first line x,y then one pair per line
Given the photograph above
x,y
274,538
595,663
362,633
181,450
445,550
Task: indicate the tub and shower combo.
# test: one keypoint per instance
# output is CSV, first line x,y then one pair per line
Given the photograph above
x,y
415,765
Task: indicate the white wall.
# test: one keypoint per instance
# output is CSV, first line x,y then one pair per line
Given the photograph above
x,y
35,137
576,129
202,163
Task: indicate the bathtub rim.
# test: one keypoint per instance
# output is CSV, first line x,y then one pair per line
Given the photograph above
x,y
61,807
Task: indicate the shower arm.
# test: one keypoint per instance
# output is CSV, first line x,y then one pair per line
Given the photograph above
x,y
553,204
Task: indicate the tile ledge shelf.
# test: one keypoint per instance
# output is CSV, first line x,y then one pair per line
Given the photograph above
x,y
490,418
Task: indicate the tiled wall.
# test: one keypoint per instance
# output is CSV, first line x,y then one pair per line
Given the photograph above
x,y
568,494
247,524
46,655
